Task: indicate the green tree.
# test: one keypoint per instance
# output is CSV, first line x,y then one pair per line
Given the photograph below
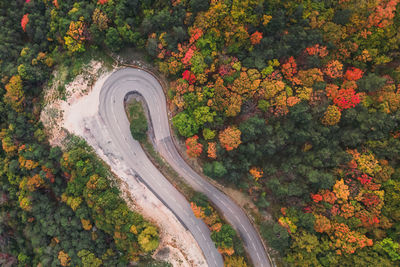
x,y
215,169
276,236
203,115
390,247
370,83
113,39
208,134
89,259
186,125
224,238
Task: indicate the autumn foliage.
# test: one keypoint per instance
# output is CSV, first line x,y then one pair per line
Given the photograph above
x,y
297,103
257,173
212,150
189,76
317,50
334,69
355,196
64,258
193,148
332,115
347,98
15,95
289,69
230,138
255,38
24,21
353,74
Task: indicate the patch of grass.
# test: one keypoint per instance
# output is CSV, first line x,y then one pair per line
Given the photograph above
x,y
138,121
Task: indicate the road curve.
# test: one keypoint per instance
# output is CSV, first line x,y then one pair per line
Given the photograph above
x,y
112,112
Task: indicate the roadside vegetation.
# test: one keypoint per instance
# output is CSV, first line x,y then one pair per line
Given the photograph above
x,y
226,239
135,111
224,236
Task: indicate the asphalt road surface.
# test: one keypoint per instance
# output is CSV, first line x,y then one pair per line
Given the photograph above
x,y
114,119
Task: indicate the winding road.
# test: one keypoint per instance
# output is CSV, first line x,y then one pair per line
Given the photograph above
x,y
114,119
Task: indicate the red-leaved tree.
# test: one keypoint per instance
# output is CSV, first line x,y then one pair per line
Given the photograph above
x,y
189,76
193,148
346,98
24,21
353,74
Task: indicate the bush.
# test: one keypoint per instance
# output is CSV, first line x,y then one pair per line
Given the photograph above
x,y
139,128
276,236
214,169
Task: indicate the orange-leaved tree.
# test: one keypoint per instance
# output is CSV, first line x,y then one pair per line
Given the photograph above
x,y
334,69
212,150
230,138
255,38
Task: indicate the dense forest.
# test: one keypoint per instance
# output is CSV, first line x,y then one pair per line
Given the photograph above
x,y
296,103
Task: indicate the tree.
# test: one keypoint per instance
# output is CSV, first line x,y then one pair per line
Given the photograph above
x,y
189,77
89,259
100,19
371,83
341,190
277,236
215,169
224,237
148,239
208,134
347,98
390,247
15,95
304,250
257,173
24,21
186,125
203,115
193,148
334,69
198,64
198,5
230,138
289,69
64,258
234,261
113,39
212,150
331,116
353,74
255,38
75,36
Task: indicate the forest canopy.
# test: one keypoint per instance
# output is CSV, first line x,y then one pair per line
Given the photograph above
x,y
295,103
